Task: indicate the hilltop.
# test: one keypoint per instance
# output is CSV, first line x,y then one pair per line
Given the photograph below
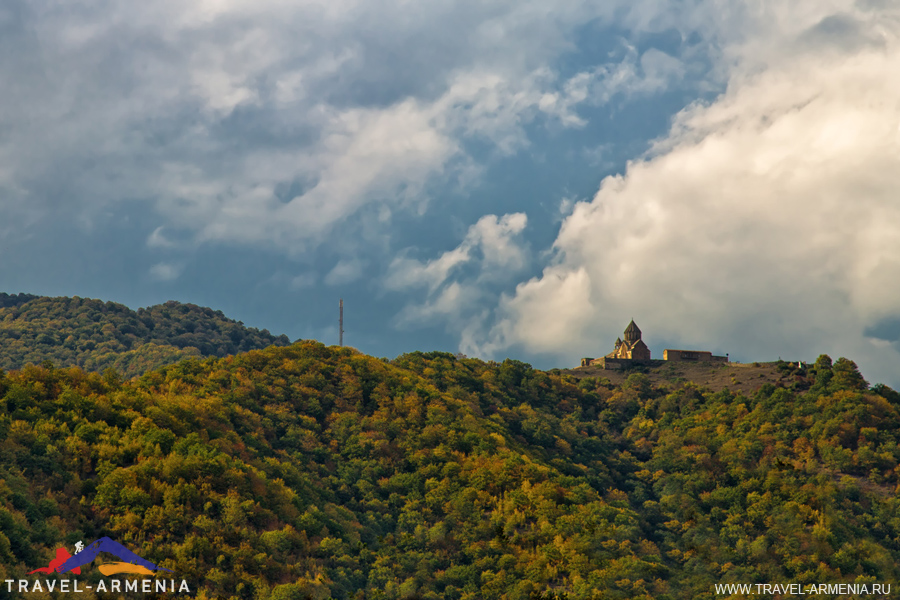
x,y
97,335
318,472
744,378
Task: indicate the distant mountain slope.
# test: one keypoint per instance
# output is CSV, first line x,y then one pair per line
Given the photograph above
x,y
95,335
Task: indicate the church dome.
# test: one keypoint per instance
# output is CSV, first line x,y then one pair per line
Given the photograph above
x,y
632,333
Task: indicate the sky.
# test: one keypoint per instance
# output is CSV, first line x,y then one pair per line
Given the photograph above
x,y
508,178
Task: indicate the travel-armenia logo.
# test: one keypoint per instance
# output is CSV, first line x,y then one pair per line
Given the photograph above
x,y
129,563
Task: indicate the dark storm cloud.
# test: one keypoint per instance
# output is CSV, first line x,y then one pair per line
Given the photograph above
x,y
887,329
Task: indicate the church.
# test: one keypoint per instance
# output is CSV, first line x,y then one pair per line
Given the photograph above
x,y
630,351
633,351
633,347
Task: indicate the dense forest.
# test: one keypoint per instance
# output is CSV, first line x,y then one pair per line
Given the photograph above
x,y
317,472
97,335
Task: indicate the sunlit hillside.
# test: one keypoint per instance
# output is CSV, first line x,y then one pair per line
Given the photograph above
x,y
314,472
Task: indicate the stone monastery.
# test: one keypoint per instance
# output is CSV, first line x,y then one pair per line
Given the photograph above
x,y
633,351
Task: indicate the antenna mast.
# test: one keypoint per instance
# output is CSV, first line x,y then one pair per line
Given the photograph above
x,y
341,325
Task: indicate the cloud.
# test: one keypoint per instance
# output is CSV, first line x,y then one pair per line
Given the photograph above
x,y
158,239
766,223
304,280
494,238
345,271
546,314
456,282
165,271
210,111
633,76
445,307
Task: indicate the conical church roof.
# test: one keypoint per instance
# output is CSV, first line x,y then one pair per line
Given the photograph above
x,y
632,332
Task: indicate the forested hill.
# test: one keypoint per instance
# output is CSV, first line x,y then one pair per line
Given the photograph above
x,y
96,335
313,472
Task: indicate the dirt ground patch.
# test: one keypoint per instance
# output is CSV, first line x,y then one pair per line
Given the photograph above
x,y
745,378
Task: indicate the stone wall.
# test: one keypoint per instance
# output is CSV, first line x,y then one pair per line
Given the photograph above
x,y
623,363
692,356
640,351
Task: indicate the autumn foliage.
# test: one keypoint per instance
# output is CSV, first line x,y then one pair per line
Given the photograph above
x,y
313,472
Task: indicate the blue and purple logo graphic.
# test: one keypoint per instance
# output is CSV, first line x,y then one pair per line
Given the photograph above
x,y
129,561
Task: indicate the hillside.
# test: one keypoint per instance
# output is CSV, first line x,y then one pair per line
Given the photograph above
x,y
96,335
313,472
745,378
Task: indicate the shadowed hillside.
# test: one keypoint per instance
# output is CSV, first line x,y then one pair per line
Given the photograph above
x,y
96,335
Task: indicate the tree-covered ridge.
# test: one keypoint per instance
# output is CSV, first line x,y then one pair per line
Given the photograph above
x,y
96,335
314,472
8,300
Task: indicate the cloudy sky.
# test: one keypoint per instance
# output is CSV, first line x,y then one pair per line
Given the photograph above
x,y
510,178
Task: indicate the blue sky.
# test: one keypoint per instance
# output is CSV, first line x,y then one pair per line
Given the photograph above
x,y
509,178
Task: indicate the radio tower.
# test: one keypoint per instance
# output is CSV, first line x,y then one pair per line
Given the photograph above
x,y
341,325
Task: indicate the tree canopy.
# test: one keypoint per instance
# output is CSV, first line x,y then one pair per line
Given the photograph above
x,y
97,335
314,472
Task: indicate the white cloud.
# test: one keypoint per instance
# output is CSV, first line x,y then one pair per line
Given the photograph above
x,y
766,223
165,271
453,300
566,206
304,280
409,272
158,239
495,238
459,280
345,271
207,109
547,314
